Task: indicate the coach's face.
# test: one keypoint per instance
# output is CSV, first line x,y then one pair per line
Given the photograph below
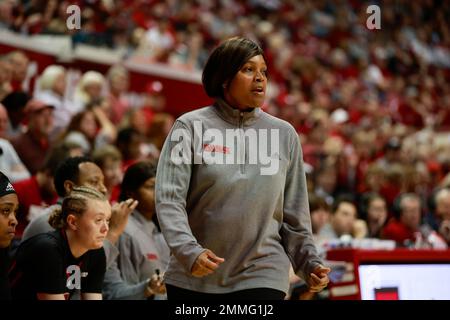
x,y
248,87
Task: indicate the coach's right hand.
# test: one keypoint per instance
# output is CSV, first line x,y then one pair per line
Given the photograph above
x,y
206,263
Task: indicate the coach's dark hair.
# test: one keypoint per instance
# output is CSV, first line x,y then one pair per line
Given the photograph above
x,y
68,170
225,61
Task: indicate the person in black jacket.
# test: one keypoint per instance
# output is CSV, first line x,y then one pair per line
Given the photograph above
x,y
9,204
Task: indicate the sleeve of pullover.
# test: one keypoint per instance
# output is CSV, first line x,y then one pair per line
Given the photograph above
x,y
114,287
296,228
172,185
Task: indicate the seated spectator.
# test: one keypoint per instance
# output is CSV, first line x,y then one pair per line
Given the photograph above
x,y
130,142
342,219
38,192
9,159
11,163
160,128
444,231
374,212
439,205
82,172
118,81
404,226
90,128
34,201
89,89
143,250
320,212
9,204
33,145
4,122
441,208
325,181
5,77
52,90
109,159
15,104
19,66
54,265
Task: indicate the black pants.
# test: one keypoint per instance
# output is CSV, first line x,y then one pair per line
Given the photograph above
x,y
179,294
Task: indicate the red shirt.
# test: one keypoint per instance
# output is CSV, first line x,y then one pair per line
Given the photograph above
x,y
396,230
30,196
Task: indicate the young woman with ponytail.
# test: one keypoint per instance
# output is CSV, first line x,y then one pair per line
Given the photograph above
x,y
56,264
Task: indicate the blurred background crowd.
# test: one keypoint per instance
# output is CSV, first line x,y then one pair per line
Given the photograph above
x,y
371,107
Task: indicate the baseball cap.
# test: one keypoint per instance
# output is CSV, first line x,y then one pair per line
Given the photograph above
x,y
5,185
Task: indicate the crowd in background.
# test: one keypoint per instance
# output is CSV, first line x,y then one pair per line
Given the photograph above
x,y
371,107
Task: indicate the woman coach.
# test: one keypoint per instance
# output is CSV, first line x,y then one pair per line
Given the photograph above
x,y
233,228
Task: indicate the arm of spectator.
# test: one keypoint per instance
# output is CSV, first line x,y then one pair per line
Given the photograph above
x,y
106,126
111,252
360,229
48,296
114,287
119,218
91,296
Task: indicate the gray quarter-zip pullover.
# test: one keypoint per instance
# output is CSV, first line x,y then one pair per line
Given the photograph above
x,y
255,217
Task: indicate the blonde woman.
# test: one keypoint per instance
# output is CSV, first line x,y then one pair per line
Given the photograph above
x,y
89,88
51,89
55,265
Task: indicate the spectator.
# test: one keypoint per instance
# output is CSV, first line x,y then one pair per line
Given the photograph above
x,y
130,142
4,122
89,88
160,128
9,204
33,145
19,66
82,172
91,128
439,207
38,192
342,219
118,81
109,159
5,78
72,172
374,212
404,226
11,163
15,104
143,250
157,42
392,153
52,91
50,266
325,181
320,212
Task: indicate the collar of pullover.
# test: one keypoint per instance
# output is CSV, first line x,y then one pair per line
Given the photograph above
x,y
235,116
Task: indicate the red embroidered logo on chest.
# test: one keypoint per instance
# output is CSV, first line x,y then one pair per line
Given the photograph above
x,y
152,256
216,148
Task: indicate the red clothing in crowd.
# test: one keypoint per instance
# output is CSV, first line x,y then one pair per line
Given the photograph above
x,y
30,196
31,151
396,230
